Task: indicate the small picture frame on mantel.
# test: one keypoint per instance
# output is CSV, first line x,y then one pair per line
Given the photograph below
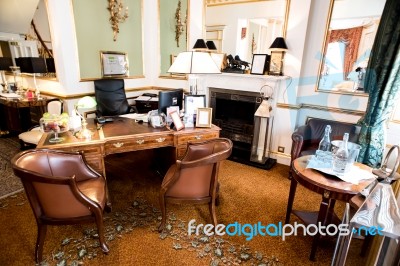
x,y
259,64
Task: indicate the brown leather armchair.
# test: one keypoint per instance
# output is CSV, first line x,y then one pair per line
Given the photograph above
x,y
194,179
61,189
306,138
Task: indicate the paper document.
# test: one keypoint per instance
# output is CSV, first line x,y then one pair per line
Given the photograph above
x,y
143,98
143,117
354,176
10,95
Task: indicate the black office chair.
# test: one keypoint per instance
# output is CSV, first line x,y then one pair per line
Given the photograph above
x,y
111,98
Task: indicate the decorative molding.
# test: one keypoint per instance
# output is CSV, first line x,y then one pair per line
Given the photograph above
x,y
230,2
320,108
129,77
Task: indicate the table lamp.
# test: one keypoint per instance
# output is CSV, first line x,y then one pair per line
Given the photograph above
x,y
33,65
84,103
5,63
194,62
211,46
278,49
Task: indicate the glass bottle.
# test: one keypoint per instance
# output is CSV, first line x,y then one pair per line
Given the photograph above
x,y
325,143
341,156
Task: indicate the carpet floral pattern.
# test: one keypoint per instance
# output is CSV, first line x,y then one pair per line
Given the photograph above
x,y
211,250
9,182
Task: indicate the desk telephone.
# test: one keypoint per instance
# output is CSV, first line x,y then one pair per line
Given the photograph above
x,y
152,95
102,119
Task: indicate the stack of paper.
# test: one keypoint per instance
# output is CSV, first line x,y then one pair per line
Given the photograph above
x,y
10,95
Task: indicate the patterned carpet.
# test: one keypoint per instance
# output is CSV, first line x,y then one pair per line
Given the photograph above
x,y
9,183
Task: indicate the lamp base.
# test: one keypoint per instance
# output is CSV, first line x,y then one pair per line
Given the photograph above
x,y
269,162
84,134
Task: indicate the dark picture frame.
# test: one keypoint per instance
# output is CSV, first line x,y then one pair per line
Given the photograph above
x,y
259,64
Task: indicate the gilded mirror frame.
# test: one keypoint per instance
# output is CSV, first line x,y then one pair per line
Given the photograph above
x,y
220,28
173,50
323,60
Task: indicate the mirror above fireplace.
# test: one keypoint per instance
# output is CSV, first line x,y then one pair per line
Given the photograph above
x,y
245,28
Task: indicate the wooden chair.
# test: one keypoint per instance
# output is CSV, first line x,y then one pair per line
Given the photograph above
x,y
61,189
31,138
194,179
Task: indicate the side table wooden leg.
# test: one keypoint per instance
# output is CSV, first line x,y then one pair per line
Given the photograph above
x,y
323,209
292,193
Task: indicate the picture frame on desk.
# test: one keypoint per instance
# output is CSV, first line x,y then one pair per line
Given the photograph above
x,y
114,64
203,117
177,120
191,104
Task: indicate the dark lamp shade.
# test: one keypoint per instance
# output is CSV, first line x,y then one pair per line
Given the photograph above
x,y
279,44
51,68
200,44
5,63
31,64
211,45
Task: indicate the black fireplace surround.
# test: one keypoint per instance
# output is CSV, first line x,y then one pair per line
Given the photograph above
x,y
233,112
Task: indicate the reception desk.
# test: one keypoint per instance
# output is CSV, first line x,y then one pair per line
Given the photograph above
x,y
18,115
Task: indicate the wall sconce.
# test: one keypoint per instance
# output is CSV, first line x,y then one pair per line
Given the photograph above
x,y
179,25
84,103
278,49
117,15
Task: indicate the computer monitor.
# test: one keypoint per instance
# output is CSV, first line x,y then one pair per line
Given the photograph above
x,y
169,98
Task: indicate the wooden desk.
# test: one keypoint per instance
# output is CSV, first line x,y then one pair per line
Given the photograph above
x,y
331,188
125,135
18,115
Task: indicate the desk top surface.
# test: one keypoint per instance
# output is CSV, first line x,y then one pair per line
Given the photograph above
x,y
320,182
120,128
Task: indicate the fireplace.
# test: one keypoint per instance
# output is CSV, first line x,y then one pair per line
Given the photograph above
x,y
233,112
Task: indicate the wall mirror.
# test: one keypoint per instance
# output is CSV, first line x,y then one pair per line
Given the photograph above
x,y
245,28
174,25
350,34
94,34
25,32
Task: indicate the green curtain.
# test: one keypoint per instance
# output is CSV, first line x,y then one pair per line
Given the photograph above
x,y
383,85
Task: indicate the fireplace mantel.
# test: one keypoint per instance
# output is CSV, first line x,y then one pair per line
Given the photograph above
x,y
242,82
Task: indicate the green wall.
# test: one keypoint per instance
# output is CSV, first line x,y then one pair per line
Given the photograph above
x,y
168,43
94,34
